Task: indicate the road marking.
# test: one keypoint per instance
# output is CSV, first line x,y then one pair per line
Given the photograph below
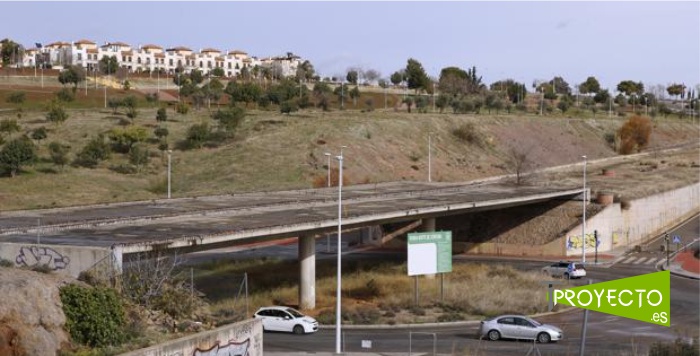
x,y
652,261
630,260
641,260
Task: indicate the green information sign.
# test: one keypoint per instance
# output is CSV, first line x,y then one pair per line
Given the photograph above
x,y
429,252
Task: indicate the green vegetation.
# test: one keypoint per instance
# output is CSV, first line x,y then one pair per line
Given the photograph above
x,y
94,316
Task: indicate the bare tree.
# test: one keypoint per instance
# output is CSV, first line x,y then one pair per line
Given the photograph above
x,y
151,279
519,163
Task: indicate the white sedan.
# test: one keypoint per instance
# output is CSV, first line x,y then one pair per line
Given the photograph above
x,y
278,318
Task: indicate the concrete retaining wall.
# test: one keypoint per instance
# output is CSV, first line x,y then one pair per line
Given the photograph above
x,y
69,260
631,225
244,338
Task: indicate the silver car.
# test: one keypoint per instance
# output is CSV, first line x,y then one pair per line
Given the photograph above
x,y
519,327
566,270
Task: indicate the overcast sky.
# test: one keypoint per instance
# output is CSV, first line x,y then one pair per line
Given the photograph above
x,y
652,42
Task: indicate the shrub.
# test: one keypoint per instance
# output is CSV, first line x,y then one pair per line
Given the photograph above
x,y
59,153
677,348
94,316
65,95
161,132
95,151
152,97
197,135
39,133
16,97
6,263
17,153
634,134
288,106
162,115
230,118
56,113
182,108
469,133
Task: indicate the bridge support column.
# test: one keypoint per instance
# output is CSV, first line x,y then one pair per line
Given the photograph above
x,y
307,272
428,225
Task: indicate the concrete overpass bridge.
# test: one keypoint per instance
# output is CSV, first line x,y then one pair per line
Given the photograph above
x,y
195,224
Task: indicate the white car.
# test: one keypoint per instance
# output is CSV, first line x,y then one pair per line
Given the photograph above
x,y
277,318
519,327
565,270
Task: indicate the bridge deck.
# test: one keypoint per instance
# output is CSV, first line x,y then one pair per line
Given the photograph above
x,y
255,215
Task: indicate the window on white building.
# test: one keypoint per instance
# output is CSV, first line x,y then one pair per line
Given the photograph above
x,y
80,56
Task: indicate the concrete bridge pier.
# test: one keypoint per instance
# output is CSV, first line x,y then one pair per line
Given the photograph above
x,y
307,272
428,225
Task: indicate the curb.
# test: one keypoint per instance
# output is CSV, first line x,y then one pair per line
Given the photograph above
x,y
431,325
678,271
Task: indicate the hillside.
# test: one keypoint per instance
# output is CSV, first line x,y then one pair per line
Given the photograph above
x,y
271,151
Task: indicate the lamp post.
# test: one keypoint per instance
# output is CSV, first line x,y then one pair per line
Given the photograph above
x,y
429,159
583,226
169,159
339,284
328,166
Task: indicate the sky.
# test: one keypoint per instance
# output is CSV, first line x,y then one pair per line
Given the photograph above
x,y
652,42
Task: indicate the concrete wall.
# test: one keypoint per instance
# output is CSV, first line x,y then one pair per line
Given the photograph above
x,y
617,227
69,260
643,219
244,338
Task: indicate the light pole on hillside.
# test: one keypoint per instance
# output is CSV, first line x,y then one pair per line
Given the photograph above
x,y
583,225
169,160
338,278
328,166
429,158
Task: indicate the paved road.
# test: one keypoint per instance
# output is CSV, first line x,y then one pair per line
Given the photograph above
x,y
606,334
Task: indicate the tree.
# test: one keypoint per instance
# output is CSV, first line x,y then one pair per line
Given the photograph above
x,y
634,134
514,91
162,115
560,86
352,76
108,65
355,94
675,89
409,102
305,71
398,77
518,163
59,153
72,75
17,153
139,155
217,72
56,113
371,76
453,81
602,97
590,86
442,102
10,52
416,77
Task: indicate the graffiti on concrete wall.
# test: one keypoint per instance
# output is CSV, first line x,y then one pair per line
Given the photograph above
x,y
230,349
576,242
30,256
